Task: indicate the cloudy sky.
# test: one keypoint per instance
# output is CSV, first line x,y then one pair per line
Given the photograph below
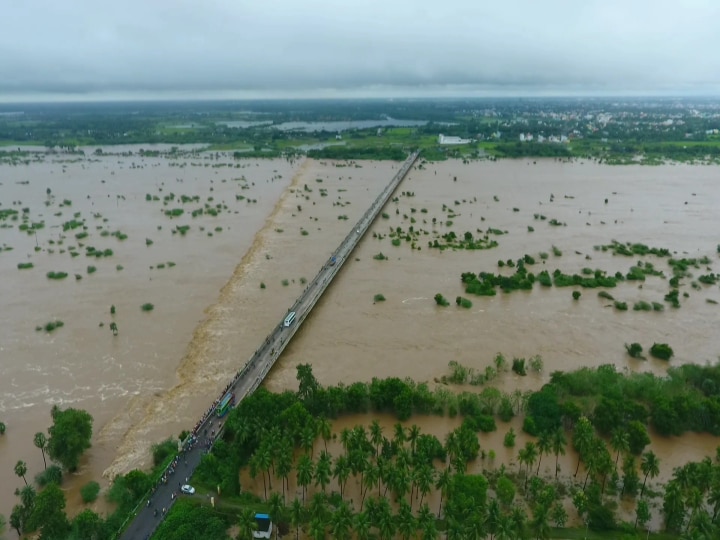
x,y
94,49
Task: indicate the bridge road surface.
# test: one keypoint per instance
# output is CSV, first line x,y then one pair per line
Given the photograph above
x,y
254,372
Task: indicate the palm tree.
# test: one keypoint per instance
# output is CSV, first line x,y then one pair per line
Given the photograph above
x,y
285,462
518,520
247,524
619,442
492,520
406,521
582,438
370,479
528,455
323,470
424,478
304,473
297,513
539,523
324,427
264,461
317,529
362,525
341,471
21,470
341,522
426,522
40,441
544,446
345,438
442,484
399,436
307,439
277,507
650,466
376,435
385,521
559,442
413,434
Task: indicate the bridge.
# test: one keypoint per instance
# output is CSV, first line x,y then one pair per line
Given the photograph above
x,y
148,515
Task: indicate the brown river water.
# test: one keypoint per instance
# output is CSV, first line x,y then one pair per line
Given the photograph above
x,y
165,366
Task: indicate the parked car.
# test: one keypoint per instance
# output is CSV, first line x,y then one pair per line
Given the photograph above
x,y
188,490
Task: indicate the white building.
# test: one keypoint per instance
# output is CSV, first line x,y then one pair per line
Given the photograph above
x,y
442,139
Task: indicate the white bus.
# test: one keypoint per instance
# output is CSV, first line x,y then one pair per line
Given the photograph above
x,y
289,319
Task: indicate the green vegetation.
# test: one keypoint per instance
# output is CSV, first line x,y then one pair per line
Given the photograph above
x,y
147,307
463,302
380,257
50,326
440,300
89,492
663,351
378,298
576,295
70,436
56,275
25,266
634,350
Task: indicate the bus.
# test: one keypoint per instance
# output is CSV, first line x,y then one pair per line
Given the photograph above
x,y
289,319
225,405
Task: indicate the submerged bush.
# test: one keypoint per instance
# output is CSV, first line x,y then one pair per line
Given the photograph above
x,y
147,307
663,351
440,300
378,298
463,302
634,350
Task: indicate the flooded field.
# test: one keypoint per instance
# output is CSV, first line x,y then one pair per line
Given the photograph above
x,y
166,365
82,364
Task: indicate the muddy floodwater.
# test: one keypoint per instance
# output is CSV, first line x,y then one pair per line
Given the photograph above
x,y
211,312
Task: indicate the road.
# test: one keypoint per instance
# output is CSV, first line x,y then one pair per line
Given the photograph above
x,y
150,513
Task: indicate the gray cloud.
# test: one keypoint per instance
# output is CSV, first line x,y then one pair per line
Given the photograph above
x,y
229,47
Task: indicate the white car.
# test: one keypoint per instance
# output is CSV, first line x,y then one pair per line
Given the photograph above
x,y
188,490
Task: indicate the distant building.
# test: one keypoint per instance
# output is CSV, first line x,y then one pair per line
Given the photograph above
x,y
442,139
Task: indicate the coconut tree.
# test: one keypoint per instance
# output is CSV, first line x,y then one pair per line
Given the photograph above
x,y
307,439
371,478
559,442
317,528
376,436
406,522
442,484
341,522
583,436
324,429
323,470
424,478
21,470
285,462
426,523
544,445
385,519
305,471
246,524
362,525
492,520
277,508
540,524
619,442
650,466
297,513
265,461
399,435
412,436
341,471
528,455
40,441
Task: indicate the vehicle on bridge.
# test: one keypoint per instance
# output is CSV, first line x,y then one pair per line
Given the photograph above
x,y
226,403
289,319
264,526
333,260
